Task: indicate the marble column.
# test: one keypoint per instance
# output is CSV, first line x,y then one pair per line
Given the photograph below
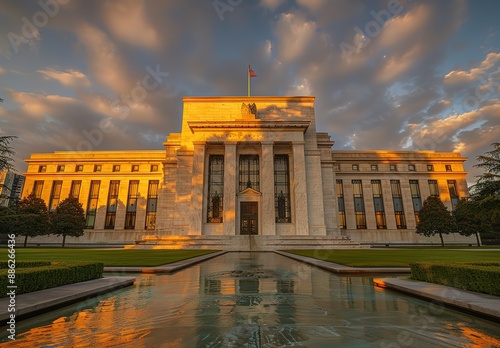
x,y
315,193
330,200
230,172
299,189
195,225
267,188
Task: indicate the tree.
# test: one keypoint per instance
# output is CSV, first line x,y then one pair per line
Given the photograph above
x,y
6,152
68,219
434,218
8,219
468,219
488,184
32,218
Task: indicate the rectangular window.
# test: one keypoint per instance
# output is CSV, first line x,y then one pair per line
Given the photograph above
x,y
97,168
116,167
92,203
430,168
393,167
114,187
75,188
355,167
452,188
154,167
55,195
341,204
359,204
448,167
215,188
151,204
282,208
411,167
374,167
135,167
79,168
433,188
60,168
38,188
415,197
337,167
249,172
42,169
378,202
397,199
133,188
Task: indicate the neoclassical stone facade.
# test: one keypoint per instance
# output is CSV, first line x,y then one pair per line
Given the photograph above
x,y
248,173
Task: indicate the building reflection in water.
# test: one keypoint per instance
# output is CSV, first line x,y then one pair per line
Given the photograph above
x,y
254,300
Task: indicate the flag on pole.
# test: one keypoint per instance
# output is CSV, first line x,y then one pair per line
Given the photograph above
x,y
251,73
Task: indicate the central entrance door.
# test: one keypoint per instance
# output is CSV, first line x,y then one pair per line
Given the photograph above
x,y
249,218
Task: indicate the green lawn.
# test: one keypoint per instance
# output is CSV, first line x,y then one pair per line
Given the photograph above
x,y
397,258
118,257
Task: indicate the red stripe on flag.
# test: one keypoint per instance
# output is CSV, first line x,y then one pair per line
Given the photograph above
x,y
251,72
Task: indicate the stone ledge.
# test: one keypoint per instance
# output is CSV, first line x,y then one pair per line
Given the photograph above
x,y
33,303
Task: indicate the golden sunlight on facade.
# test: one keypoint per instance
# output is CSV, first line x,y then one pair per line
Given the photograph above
x,y
248,173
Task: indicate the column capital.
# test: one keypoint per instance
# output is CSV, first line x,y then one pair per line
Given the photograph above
x,y
269,142
199,143
298,142
230,142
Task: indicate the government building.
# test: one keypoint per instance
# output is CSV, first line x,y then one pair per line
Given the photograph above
x,y
248,173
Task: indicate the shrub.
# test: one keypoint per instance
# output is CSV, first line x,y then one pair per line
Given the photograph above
x,y
45,275
481,277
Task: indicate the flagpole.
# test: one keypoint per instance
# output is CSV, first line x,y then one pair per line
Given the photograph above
x,y
248,78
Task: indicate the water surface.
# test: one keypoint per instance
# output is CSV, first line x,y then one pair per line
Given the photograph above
x,y
255,300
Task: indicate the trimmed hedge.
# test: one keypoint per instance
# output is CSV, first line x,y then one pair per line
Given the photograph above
x,y
481,277
49,275
25,264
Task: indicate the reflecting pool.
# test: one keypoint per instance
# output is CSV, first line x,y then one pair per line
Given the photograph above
x,y
255,300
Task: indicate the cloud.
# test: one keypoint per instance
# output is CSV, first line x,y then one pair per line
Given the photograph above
x,y
271,4
294,34
70,78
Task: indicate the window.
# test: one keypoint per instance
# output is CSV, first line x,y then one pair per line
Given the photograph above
x,y
60,168
110,221
452,188
411,167
55,195
448,167
116,167
378,202
79,168
355,167
359,204
393,168
341,204
135,167
430,168
133,188
397,200
92,203
151,205
433,188
154,167
38,188
415,197
75,188
282,209
97,168
42,169
337,167
249,172
215,188
374,167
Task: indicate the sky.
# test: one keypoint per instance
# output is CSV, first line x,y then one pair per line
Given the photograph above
x,y
386,74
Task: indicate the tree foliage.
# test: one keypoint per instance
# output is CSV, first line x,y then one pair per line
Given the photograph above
x,y
488,184
68,219
6,152
32,218
468,219
434,218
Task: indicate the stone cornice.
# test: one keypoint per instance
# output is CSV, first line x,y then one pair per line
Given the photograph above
x,y
255,99
248,124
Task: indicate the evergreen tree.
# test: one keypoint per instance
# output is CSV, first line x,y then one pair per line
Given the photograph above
x,y
32,218
6,152
488,183
434,218
468,219
68,219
